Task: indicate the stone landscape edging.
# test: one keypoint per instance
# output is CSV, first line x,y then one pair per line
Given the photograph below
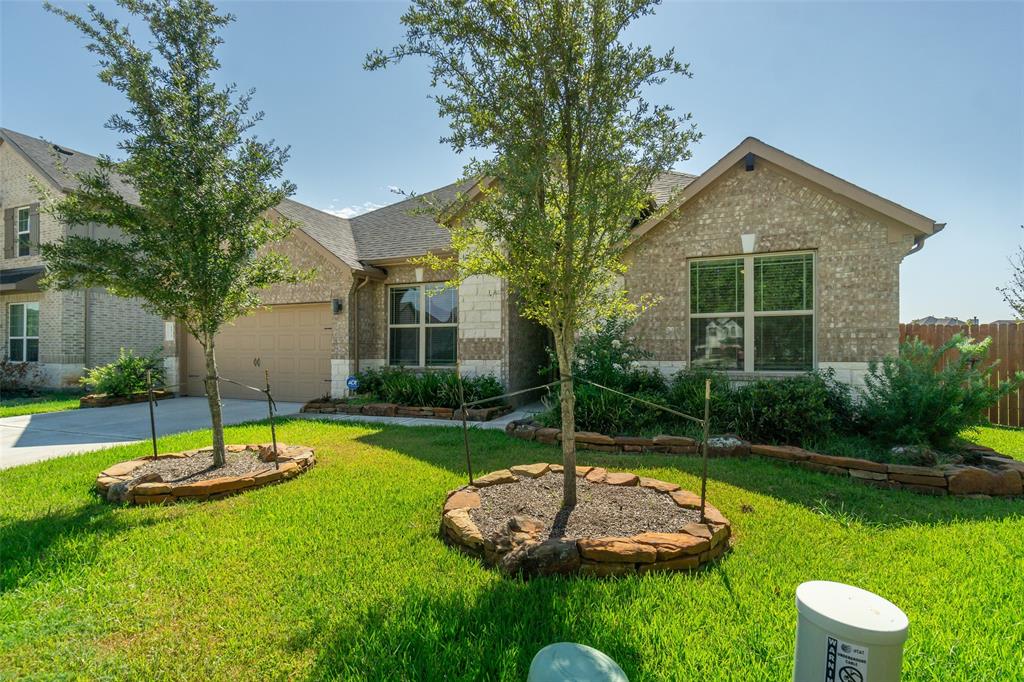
x,y
106,400
482,414
1004,479
116,484
519,550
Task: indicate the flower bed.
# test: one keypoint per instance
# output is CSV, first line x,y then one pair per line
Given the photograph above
x,y
996,475
105,400
123,482
482,414
529,546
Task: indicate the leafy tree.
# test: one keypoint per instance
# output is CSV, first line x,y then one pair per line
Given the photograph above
x,y
1014,293
549,88
190,199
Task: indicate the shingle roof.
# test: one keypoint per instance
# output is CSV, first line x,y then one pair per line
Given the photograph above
x,y
333,232
406,228
60,164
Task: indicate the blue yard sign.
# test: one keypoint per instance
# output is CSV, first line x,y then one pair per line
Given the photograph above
x,y
352,383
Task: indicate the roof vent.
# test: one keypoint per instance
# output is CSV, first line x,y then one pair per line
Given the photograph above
x,y
61,150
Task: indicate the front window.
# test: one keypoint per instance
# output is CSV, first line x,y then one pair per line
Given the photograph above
x,y
23,334
24,231
753,313
422,325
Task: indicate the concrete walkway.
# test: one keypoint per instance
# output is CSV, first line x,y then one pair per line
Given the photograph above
x,y
36,437
523,412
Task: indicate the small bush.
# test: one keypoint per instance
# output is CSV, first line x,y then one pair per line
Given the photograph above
x,y
916,399
126,375
426,389
19,379
792,410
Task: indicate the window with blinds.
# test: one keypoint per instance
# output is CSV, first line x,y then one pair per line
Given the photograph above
x,y
753,313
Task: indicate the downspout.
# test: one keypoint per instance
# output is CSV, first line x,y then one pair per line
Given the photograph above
x,y
919,239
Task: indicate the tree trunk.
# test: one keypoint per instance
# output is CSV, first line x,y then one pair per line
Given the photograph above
x,y
213,396
565,350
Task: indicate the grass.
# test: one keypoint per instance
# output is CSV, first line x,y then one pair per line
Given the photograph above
x,y
339,574
1003,439
47,401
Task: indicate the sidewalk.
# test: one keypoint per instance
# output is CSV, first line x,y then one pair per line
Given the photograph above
x,y
522,412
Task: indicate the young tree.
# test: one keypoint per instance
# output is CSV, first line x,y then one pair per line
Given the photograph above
x,y
548,88
190,199
1014,293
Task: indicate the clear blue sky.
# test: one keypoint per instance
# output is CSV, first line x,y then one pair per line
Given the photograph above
x,y
922,103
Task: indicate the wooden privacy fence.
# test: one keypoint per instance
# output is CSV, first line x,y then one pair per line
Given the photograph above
x,y
1007,348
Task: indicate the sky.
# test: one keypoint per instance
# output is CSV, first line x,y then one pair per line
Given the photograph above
x,y
922,103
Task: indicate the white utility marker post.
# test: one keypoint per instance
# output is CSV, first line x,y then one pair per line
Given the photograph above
x,y
846,634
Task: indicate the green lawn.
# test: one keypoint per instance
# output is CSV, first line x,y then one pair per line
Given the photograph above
x,y
339,574
1002,439
48,401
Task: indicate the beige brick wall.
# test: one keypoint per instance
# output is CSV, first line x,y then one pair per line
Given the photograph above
x,y
857,258
17,189
76,328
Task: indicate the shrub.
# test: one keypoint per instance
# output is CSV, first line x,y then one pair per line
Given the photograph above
x,y
792,410
916,398
19,378
426,389
686,394
126,375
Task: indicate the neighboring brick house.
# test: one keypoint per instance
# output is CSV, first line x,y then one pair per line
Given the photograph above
x,y
64,331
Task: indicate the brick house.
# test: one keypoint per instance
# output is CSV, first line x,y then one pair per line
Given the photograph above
x,y
763,265
63,331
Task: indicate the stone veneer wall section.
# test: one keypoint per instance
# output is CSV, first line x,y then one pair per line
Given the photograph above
x,y
857,258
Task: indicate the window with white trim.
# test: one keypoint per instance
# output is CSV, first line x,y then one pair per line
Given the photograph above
x,y
23,332
422,325
24,231
753,313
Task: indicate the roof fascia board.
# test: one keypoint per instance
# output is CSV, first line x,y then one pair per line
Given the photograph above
x,y
827,181
31,162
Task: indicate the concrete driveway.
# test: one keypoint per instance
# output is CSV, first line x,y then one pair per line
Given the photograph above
x,y
35,437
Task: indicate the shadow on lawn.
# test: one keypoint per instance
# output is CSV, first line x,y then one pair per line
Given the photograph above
x,y
32,548
832,496
493,633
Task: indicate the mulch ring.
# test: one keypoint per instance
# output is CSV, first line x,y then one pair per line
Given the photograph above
x,y
191,474
622,523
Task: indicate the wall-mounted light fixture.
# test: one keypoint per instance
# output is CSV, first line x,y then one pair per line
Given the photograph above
x,y
336,306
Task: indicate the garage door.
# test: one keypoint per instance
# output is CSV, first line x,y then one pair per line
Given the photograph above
x,y
292,341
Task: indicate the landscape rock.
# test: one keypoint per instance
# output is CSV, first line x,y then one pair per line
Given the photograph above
x,y
847,462
495,478
462,528
1008,482
122,490
787,452
671,441
597,475
623,479
727,446
594,438
971,481
123,468
550,557
686,499
612,549
672,545
660,486
463,499
531,470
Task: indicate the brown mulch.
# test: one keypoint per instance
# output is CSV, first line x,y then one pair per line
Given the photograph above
x,y
200,467
601,510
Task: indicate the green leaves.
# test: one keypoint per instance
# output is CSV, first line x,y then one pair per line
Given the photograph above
x,y
549,91
192,200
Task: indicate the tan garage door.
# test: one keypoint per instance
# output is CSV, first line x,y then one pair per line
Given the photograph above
x,y
292,341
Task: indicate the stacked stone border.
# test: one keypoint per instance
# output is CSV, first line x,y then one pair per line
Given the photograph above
x,y
1001,476
106,400
118,484
521,550
482,414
